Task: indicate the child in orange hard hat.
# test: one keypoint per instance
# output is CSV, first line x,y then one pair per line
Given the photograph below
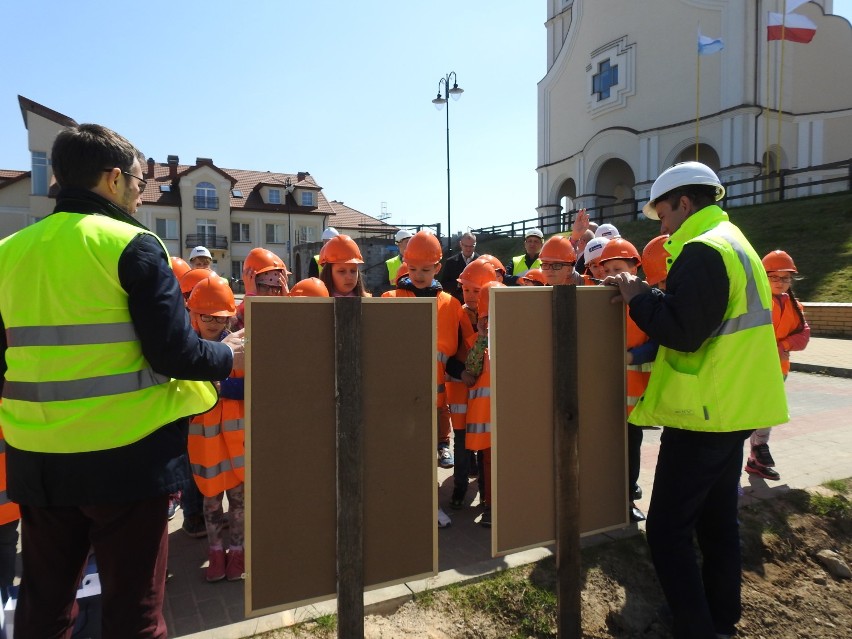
x,y
792,333
309,287
534,277
620,256
655,261
264,274
340,258
216,440
557,258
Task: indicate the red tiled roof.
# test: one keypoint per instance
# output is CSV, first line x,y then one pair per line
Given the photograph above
x,y
346,217
9,176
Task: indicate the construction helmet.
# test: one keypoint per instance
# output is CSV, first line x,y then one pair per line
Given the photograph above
x,y
497,264
424,249
401,234
535,275
262,260
193,277
593,249
482,306
534,232
778,260
329,233
310,287
654,260
212,296
620,249
340,250
179,267
683,174
558,249
608,231
477,273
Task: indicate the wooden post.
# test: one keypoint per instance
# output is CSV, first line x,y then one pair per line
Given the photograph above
x,y
350,498
566,435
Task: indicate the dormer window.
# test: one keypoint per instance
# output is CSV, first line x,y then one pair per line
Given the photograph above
x,y
307,198
275,196
205,197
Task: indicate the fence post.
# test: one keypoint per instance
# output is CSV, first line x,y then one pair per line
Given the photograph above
x,y
781,185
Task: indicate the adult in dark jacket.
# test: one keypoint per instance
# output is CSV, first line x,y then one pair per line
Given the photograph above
x,y
93,457
454,265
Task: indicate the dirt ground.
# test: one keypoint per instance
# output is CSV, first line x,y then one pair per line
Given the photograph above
x,y
787,591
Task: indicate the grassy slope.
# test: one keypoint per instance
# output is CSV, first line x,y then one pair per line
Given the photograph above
x,y
817,232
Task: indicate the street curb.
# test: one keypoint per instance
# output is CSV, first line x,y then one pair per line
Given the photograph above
x,y
833,371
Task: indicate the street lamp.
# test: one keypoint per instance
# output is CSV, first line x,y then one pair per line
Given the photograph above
x,y
439,103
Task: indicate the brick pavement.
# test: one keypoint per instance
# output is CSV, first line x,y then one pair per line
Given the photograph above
x,y
815,446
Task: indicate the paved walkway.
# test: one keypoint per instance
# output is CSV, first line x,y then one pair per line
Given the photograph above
x,y
815,446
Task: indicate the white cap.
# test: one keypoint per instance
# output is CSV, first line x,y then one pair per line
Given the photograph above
x,y
683,174
607,230
402,234
536,232
200,251
329,233
594,249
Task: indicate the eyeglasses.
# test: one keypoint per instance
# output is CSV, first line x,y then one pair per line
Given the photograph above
x,y
275,290
214,318
555,266
778,278
142,182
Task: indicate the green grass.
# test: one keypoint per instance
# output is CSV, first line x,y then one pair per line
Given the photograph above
x,y
842,486
816,232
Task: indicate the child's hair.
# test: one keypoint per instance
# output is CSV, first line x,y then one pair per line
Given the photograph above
x,y
326,278
797,308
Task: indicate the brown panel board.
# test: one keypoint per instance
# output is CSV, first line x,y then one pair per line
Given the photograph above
x,y
521,333
291,439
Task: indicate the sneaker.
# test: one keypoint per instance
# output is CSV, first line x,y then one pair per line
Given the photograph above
x,y
443,519
457,500
485,520
636,492
194,526
236,565
761,455
216,564
755,468
445,457
174,504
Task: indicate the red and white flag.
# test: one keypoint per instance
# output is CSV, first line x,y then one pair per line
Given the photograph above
x,y
796,27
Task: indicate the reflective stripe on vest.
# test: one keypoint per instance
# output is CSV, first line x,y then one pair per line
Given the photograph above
x,y
475,393
70,335
479,428
214,430
83,388
224,466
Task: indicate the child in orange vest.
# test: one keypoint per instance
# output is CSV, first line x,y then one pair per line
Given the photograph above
x,y
264,274
217,439
792,334
620,256
339,259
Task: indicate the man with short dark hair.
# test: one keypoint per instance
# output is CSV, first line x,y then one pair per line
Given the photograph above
x,y
94,372
715,379
454,265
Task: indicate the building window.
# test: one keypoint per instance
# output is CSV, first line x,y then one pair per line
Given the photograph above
x,y
305,234
307,198
275,196
205,197
276,234
239,232
39,173
166,229
237,269
605,79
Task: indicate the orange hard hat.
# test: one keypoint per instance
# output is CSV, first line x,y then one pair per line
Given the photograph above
x,y
535,275
401,272
340,250
310,287
558,249
654,260
262,260
620,249
779,260
477,273
193,277
424,249
497,264
179,267
482,307
212,296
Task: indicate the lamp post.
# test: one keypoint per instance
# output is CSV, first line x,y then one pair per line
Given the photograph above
x,y
439,103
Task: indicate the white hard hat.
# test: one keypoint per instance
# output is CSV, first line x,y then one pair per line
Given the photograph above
x,y
682,174
536,232
329,233
594,248
200,251
608,231
402,234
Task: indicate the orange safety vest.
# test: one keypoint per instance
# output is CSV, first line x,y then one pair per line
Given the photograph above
x,y
786,321
9,510
457,391
637,374
216,446
478,432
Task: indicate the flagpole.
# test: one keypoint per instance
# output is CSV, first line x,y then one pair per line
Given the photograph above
x,y
697,97
781,81
767,109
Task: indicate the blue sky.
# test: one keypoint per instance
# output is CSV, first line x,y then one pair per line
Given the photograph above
x,y
339,89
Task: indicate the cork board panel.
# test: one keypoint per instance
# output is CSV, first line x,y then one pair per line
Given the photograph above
x,y
521,333
290,406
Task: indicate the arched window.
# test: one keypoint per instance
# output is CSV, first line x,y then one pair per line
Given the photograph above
x,y
205,196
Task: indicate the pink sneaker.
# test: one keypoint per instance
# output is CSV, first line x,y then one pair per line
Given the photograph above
x,y
236,564
216,564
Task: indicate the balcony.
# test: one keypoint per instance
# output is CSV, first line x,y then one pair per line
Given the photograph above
x,y
206,203
207,239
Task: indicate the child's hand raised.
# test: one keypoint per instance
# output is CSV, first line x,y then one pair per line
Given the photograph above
x,y
248,281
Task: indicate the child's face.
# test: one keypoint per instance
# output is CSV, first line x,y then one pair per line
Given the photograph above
x,y
422,276
597,270
777,281
614,267
482,325
471,296
344,277
211,329
554,277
